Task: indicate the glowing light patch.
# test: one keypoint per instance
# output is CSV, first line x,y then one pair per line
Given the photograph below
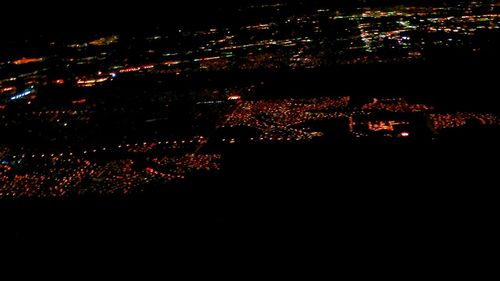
x,y
21,95
234,97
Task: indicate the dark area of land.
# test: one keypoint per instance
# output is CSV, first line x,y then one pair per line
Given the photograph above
x,y
433,196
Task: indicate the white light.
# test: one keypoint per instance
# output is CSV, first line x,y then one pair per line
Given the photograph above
x,y
21,95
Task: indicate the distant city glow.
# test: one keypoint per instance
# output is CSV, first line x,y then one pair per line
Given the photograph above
x,y
27,60
234,97
82,101
7,89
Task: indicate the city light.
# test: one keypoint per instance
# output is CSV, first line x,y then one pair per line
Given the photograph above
x,y
27,60
21,95
192,96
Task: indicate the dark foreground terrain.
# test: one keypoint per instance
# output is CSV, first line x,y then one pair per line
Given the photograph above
x,y
399,197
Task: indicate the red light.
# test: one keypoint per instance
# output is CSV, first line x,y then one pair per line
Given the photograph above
x,y
27,60
234,97
82,101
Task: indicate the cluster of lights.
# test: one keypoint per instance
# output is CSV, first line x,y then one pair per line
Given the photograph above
x,y
396,25
274,49
181,144
27,60
280,120
105,41
395,105
460,119
7,89
137,68
190,163
91,82
70,174
55,178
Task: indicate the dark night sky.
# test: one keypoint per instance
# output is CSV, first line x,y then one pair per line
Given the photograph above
x,y
51,16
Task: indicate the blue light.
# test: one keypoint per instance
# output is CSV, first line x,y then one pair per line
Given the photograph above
x,y
21,95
